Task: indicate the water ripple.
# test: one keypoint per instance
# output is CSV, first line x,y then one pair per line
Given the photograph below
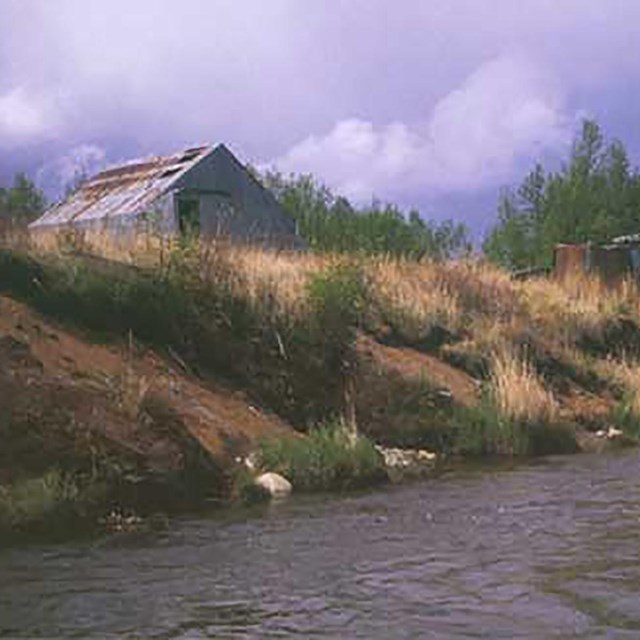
x,y
544,550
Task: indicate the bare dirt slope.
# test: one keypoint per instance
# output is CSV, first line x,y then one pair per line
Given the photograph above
x,y
122,399
410,363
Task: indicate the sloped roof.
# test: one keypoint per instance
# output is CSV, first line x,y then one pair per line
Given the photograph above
x,y
630,239
122,191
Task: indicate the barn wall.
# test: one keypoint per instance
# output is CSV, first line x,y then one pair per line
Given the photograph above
x,y
232,202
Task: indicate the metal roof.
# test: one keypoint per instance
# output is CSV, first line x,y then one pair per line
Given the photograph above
x,y
125,190
632,238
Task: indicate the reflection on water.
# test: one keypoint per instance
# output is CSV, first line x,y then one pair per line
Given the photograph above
x,y
545,550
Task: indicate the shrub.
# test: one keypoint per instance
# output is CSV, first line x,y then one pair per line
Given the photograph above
x,y
323,460
625,417
30,501
484,430
337,297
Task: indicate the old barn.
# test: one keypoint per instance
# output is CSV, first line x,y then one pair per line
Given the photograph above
x,y
202,190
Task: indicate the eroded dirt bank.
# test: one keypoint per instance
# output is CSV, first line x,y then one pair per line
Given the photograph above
x,y
122,410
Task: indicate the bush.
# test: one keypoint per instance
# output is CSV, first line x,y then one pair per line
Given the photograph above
x,y
625,416
323,460
484,430
43,500
337,297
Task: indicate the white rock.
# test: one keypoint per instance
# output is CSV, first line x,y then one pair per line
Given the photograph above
x,y
613,433
276,485
250,462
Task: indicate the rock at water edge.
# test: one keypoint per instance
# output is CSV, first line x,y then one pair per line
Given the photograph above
x,y
274,484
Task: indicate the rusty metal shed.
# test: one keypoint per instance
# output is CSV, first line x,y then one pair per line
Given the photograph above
x,y
612,263
200,190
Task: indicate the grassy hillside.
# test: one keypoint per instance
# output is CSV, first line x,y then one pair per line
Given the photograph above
x,y
455,357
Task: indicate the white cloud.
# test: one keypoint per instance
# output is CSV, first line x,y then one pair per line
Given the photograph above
x,y
20,118
508,111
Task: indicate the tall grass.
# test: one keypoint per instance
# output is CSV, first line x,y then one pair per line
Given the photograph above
x,y
518,415
43,501
624,372
578,309
282,324
410,298
325,459
518,392
286,341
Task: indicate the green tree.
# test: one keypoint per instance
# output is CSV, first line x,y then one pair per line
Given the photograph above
x,y
595,196
22,202
331,223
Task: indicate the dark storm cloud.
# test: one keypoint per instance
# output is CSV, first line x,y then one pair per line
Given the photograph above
x,y
415,102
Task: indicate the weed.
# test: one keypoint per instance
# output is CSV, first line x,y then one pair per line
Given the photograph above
x,y
32,501
517,391
325,459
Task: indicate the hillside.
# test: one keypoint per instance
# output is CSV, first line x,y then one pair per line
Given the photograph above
x,y
163,371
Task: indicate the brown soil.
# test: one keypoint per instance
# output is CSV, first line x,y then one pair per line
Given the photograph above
x,y
413,364
580,406
75,397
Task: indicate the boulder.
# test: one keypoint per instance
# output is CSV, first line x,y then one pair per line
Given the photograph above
x,y
274,484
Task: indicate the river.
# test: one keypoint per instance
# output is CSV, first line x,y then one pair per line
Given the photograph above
x,y
547,549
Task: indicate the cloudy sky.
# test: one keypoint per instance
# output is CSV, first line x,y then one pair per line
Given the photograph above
x,y
435,104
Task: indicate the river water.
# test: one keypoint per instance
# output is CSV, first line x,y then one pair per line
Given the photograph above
x,y
549,549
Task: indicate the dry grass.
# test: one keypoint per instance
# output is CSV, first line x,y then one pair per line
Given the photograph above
x,y
518,392
624,373
271,280
582,307
274,280
411,297
497,329
415,297
14,235
475,302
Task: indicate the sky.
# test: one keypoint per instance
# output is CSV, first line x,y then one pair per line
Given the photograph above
x,y
436,104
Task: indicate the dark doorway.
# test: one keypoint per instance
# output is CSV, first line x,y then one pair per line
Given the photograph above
x,y
189,216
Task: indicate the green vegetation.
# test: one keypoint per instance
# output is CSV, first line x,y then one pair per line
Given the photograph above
x,y
22,202
485,431
595,197
624,417
331,223
326,459
46,503
292,363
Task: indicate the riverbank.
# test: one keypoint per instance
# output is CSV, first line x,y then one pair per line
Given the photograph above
x,y
143,384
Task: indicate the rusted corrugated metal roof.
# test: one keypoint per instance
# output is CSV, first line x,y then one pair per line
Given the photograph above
x,y
122,191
